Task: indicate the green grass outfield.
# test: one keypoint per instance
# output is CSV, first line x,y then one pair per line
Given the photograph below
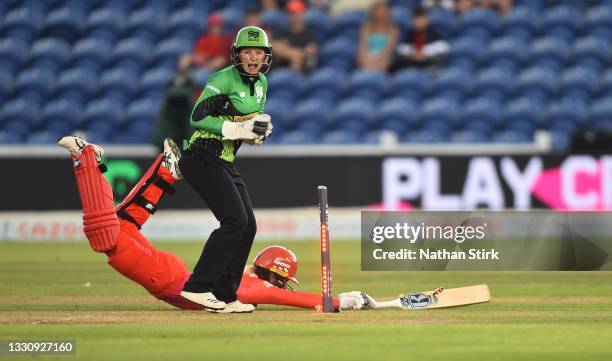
x,y
532,316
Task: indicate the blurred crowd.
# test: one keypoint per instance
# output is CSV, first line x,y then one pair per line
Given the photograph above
x,y
382,46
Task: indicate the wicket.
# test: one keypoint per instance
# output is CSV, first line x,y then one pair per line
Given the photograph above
x,y
326,276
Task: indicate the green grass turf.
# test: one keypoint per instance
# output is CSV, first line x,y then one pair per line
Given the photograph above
x,y
532,316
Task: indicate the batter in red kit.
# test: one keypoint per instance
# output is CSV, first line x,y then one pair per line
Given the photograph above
x,y
115,231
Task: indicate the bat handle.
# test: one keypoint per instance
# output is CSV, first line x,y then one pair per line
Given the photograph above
x,y
388,304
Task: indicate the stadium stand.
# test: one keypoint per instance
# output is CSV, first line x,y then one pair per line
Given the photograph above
x,y
101,66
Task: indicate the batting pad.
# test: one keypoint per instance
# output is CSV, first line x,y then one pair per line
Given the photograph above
x,y
100,223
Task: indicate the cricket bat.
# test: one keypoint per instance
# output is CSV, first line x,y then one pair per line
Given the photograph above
x,y
440,298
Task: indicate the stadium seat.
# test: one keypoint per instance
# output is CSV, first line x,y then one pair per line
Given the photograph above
x,y
111,19
478,18
524,110
493,83
147,23
507,52
23,23
439,109
37,82
397,126
399,109
318,21
451,83
468,136
13,53
354,110
119,79
510,136
410,84
141,110
580,83
568,111
536,83
18,127
347,22
232,18
561,19
131,53
275,19
64,22
298,137
593,52
599,23
50,49
549,52
466,47
340,52
156,78
600,114
560,140
484,109
187,19
200,76
325,83
43,137
443,21
280,111
284,83
313,110
339,137
479,126
107,110
370,85
10,137
520,17
6,83
606,84
61,110
20,110
91,53
169,50
355,127
424,136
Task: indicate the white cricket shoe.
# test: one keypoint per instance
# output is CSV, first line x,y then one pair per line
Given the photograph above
x,y
238,307
172,155
76,145
206,299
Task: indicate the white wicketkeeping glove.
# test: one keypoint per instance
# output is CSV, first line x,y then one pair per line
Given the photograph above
x,y
354,299
263,127
238,130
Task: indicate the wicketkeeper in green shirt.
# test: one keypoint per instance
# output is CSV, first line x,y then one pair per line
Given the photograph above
x,y
228,113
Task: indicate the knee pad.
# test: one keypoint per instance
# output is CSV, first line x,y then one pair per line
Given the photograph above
x,y
100,223
136,196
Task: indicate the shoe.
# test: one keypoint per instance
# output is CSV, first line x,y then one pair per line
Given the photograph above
x,y
172,155
206,299
238,307
76,145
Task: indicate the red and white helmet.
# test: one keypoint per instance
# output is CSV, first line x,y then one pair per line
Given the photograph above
x,y
279,260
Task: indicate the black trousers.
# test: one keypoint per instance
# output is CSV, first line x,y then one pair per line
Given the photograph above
x,y
219,269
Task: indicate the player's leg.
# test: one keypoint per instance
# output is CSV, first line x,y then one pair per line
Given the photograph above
x,y
210,178
227,286
128,251
143,199
100,223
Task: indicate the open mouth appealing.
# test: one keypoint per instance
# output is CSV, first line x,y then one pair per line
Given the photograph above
x,y
252,67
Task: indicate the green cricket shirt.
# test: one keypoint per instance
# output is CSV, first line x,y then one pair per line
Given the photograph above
x,y
227,93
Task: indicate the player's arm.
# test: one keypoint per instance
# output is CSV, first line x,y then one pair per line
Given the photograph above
x,y
214,110
273,295
208,112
